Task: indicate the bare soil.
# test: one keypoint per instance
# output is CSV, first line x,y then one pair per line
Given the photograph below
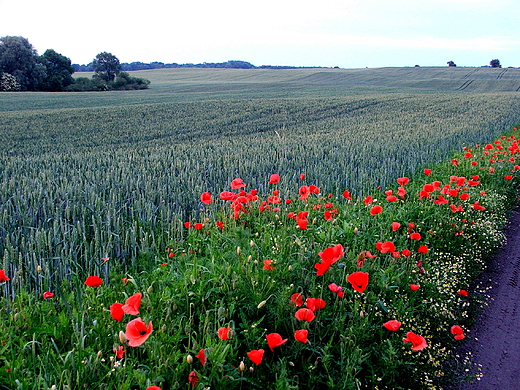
x,y
494,340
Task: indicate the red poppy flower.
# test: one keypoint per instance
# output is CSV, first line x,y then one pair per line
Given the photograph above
x,y
119,351
395,226
346,195
338,290
274,340
457,332
205,198
275,178
304,192
188,225
297,299
387,247
391,198
137,332
392,325
406,252
132,304
48,294
228,195
376,210
423,249
268,265
415,236
415,287
418,342
427,171
3,276
153,388
322,267
403,181
315,304
301,335
193,379
477,206
237,183
332,254
305,314
464,293
358,280
116,311
94,281
220,225
368,200
301,219
201,356
256,356
224,333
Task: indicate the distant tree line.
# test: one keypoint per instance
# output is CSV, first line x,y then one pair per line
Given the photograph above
x,y
232,64
22,69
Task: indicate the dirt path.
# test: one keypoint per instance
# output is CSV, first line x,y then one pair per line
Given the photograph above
x,y
494,340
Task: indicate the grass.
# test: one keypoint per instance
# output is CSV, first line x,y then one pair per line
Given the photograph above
x,y
102,184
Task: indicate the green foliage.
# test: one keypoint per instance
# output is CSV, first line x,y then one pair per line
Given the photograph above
x,y
58,71
107,66
19,58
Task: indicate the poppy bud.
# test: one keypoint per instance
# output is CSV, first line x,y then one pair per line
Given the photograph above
x,y
261,304
251,369
122,337
249,258
149,290
241,366
189,359
16,316
356,230
251,243
290,267
53,387
99,354
238,250
163,328
38,269
361,314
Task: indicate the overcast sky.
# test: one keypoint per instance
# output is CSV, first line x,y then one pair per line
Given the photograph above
x,y
344,33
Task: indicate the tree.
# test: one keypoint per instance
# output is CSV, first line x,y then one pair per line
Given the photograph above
x,y
59,71
451,63
495,63
106,66
19,58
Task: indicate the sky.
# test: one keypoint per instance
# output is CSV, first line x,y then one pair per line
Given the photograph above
x,y
328,33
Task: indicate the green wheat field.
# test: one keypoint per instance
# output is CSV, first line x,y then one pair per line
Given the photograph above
x,y
102,183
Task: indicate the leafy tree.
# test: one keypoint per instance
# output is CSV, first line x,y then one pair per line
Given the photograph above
x,y
59,71
451,63
19,58
495,63
106,66
8,82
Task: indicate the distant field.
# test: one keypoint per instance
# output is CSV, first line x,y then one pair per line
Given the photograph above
x,y
105,174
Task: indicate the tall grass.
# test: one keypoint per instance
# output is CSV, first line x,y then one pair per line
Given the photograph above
x,y
78,186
